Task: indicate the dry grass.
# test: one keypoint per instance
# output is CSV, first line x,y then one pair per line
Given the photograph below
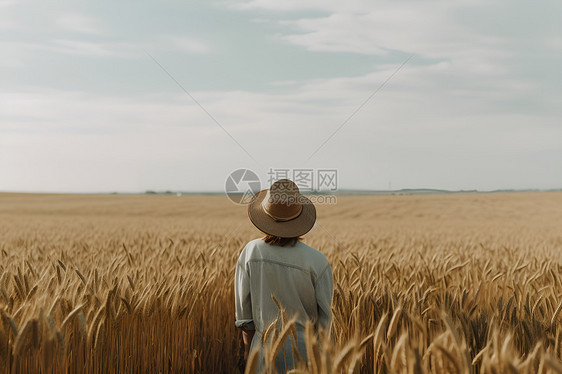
x,y
423,284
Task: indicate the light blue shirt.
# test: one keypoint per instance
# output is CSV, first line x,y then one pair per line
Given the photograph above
x,y
299,277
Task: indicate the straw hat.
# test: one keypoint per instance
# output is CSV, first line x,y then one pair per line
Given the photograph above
x,y
282,210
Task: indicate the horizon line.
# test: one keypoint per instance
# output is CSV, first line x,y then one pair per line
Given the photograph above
x,y
339,192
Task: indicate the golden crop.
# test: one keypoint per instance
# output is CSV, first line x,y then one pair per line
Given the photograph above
x,y
423,283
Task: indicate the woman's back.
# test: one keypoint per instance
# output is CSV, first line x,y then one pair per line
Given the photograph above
x,y
299,277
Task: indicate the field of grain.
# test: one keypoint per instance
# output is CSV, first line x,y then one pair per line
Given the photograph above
x,y
463,283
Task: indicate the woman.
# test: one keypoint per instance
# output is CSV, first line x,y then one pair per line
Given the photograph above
x,y
281,266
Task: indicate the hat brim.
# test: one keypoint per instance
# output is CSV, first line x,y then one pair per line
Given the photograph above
x,y
287,229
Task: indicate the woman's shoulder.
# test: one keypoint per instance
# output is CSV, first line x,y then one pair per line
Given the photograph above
x,y
313,253
255,243
258,249
251,247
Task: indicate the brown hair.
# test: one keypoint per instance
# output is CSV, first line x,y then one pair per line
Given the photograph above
x,y
279,241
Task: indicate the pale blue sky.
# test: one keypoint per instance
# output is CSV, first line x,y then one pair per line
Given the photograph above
x,y
84,108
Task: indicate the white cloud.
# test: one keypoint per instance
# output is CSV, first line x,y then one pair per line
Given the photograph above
x,y
181,43
7,21
428,30
456,116
417,131
22,53
42,110
18,54
435,29
128,49
331,5
75,141
296,5
93,49
554,43
78,22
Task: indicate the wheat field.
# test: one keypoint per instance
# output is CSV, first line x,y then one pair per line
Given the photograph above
x,y
463,283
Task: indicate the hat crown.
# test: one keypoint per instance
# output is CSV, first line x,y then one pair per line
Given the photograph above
x,y
282,201
284,186
282,210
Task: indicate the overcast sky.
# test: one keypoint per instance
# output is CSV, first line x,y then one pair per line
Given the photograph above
x,y
83,107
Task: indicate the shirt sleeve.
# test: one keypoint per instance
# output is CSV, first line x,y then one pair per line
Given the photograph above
x,y
324,290
243,300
